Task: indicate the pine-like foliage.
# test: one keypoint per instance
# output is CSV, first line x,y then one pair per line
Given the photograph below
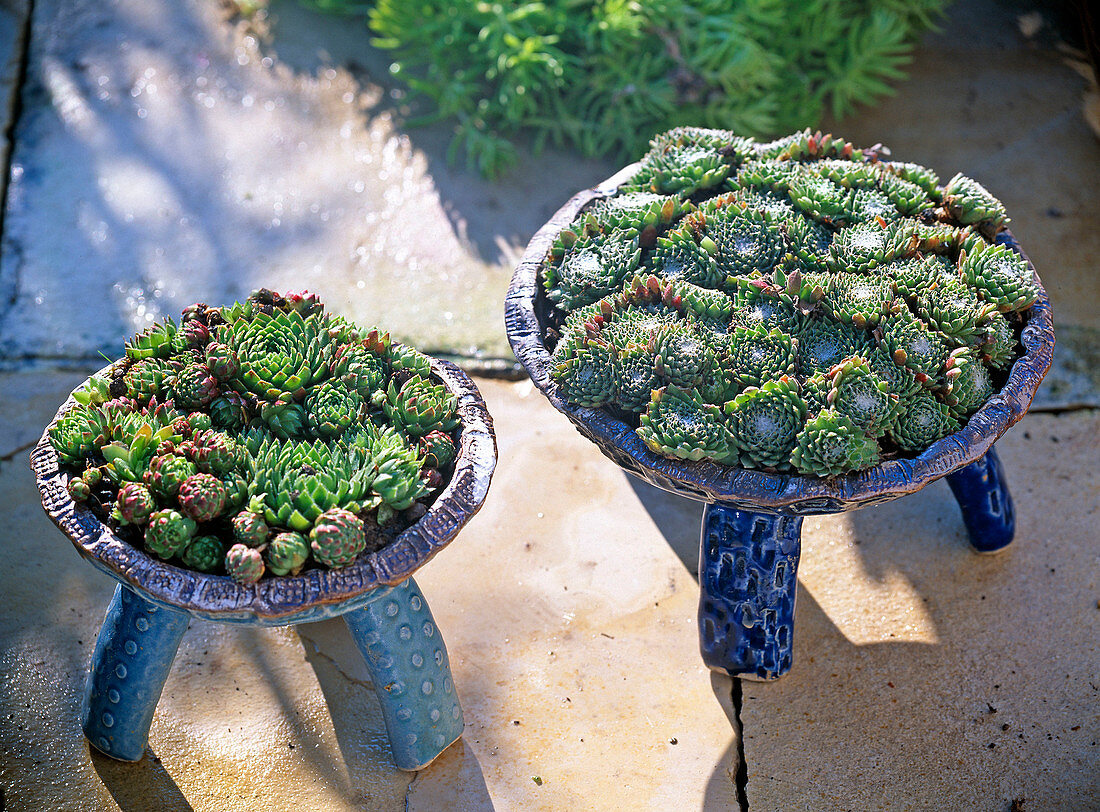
x,y
604,75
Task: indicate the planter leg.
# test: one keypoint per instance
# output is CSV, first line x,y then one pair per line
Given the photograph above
x,y
748,565
132,658
407,660
982,494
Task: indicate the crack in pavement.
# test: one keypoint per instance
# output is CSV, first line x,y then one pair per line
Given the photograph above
x,y
742,777
14,113
332,661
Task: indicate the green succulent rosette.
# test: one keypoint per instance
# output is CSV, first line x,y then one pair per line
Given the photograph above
x,y
922,419
859,394
679,424
765,422
280,353
287,553
300,480
830,444
757,356
419,407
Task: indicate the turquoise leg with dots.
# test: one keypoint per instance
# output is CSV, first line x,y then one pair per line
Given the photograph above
x,y
408,664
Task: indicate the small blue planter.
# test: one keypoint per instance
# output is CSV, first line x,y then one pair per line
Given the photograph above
x,y
751,536
376,595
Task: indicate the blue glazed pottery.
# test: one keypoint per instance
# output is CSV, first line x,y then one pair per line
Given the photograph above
x,y
376,595
751,533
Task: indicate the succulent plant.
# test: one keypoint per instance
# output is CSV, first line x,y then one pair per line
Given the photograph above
x,y
331,406
78,489
585,268
145,378
831,444
229,412
881,299
680,354
397,483
202,497
405,361
204,553
285,418
280,354
756,355
765,421
166,473
679,424
337,537
679,256
859,394
823,344
249,527
300,480
969,202
1001,277
213,452
245,565
194,387
745,243
438,449
154,342
588,379
73,435
999,343
913,345
222,362
969,384
287,553
419,406
292,421
635,377
135,503
361,367
921,421
168,533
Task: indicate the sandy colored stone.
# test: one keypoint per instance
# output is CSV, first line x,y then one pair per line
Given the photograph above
x,y
165,155
928,677
574,618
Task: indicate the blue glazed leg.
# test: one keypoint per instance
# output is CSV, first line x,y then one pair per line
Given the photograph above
x,y
982,494
748,566
407,660
132,658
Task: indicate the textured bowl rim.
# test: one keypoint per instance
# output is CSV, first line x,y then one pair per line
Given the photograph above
x,y
314,594
756,490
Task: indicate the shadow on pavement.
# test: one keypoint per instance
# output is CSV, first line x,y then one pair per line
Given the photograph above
x,y
141,786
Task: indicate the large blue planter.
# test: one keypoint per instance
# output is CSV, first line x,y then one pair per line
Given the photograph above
x,y
751,535
376,595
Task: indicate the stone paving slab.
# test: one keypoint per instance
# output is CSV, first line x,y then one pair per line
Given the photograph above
x,y
928,677
165,157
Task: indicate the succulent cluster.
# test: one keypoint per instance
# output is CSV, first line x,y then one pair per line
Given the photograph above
x,y
265,436
799,305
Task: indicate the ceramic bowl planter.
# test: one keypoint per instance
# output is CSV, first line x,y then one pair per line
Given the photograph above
x,y
751,530
376,595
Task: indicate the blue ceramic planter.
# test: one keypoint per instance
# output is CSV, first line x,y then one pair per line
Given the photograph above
x,y
751,535
376,595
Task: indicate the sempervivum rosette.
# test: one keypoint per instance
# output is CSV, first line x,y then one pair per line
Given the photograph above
x,y
798,306
267,437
